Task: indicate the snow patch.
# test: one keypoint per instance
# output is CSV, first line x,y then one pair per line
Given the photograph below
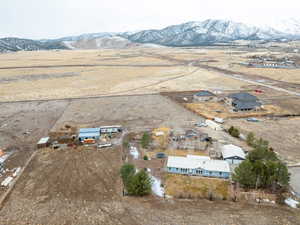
x,y
291,202
134,152
156,187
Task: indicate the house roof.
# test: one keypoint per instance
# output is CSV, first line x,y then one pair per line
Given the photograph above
x,y
246,104
243,96
194,162
229,151
216,165
204,94
89,130
91,134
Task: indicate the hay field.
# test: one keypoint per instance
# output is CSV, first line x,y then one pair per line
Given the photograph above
x,y
65,74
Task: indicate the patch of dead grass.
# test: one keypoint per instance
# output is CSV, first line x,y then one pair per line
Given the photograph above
x,y
181,186
211,110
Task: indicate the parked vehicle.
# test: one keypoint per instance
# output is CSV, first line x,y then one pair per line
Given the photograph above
x,y
201,124
161,155
252,119
105,145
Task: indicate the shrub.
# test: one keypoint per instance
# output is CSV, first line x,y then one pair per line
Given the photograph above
x,y
234,132
250,139
146,157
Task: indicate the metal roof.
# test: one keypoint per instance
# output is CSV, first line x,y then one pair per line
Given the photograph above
x,y
43,140
89,130
243,96
216,165
91,134
194,162
229,151
246,104
204,93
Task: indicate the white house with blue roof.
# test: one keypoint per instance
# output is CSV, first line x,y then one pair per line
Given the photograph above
x,y
198,166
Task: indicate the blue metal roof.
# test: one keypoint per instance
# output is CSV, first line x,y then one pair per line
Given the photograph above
x,y
86,135
89,130
204,93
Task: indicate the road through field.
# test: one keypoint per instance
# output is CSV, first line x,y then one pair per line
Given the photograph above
x,y
230,74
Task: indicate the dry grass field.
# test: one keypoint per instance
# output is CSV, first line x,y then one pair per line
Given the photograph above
x,y
181,186
211,110
67,74
283,134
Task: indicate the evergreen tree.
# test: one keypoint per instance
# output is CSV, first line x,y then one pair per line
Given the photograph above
x,y
262,169
140,184
127,172
145,140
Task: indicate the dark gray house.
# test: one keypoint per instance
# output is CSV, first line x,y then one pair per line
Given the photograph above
x,y
243,101
203,96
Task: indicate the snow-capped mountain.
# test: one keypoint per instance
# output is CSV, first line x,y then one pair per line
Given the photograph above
x,y
289,26
101,43
82,37
205,32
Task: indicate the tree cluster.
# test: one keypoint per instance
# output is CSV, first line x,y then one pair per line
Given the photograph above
x,y
262,168
137,184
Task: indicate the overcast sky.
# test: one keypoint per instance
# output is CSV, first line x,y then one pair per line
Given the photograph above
x,y
57,18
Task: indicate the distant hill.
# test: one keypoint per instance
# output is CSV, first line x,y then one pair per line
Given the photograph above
x,y
208,32
17,44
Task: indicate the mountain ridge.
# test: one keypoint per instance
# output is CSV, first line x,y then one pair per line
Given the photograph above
x,y
193,33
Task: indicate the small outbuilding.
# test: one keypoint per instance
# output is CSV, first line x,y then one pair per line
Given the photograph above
x,y
203,96
43,142
233,154
110,129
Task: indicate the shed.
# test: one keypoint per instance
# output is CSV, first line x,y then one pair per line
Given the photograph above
x,y
233,154
43,142
202,96
111,129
